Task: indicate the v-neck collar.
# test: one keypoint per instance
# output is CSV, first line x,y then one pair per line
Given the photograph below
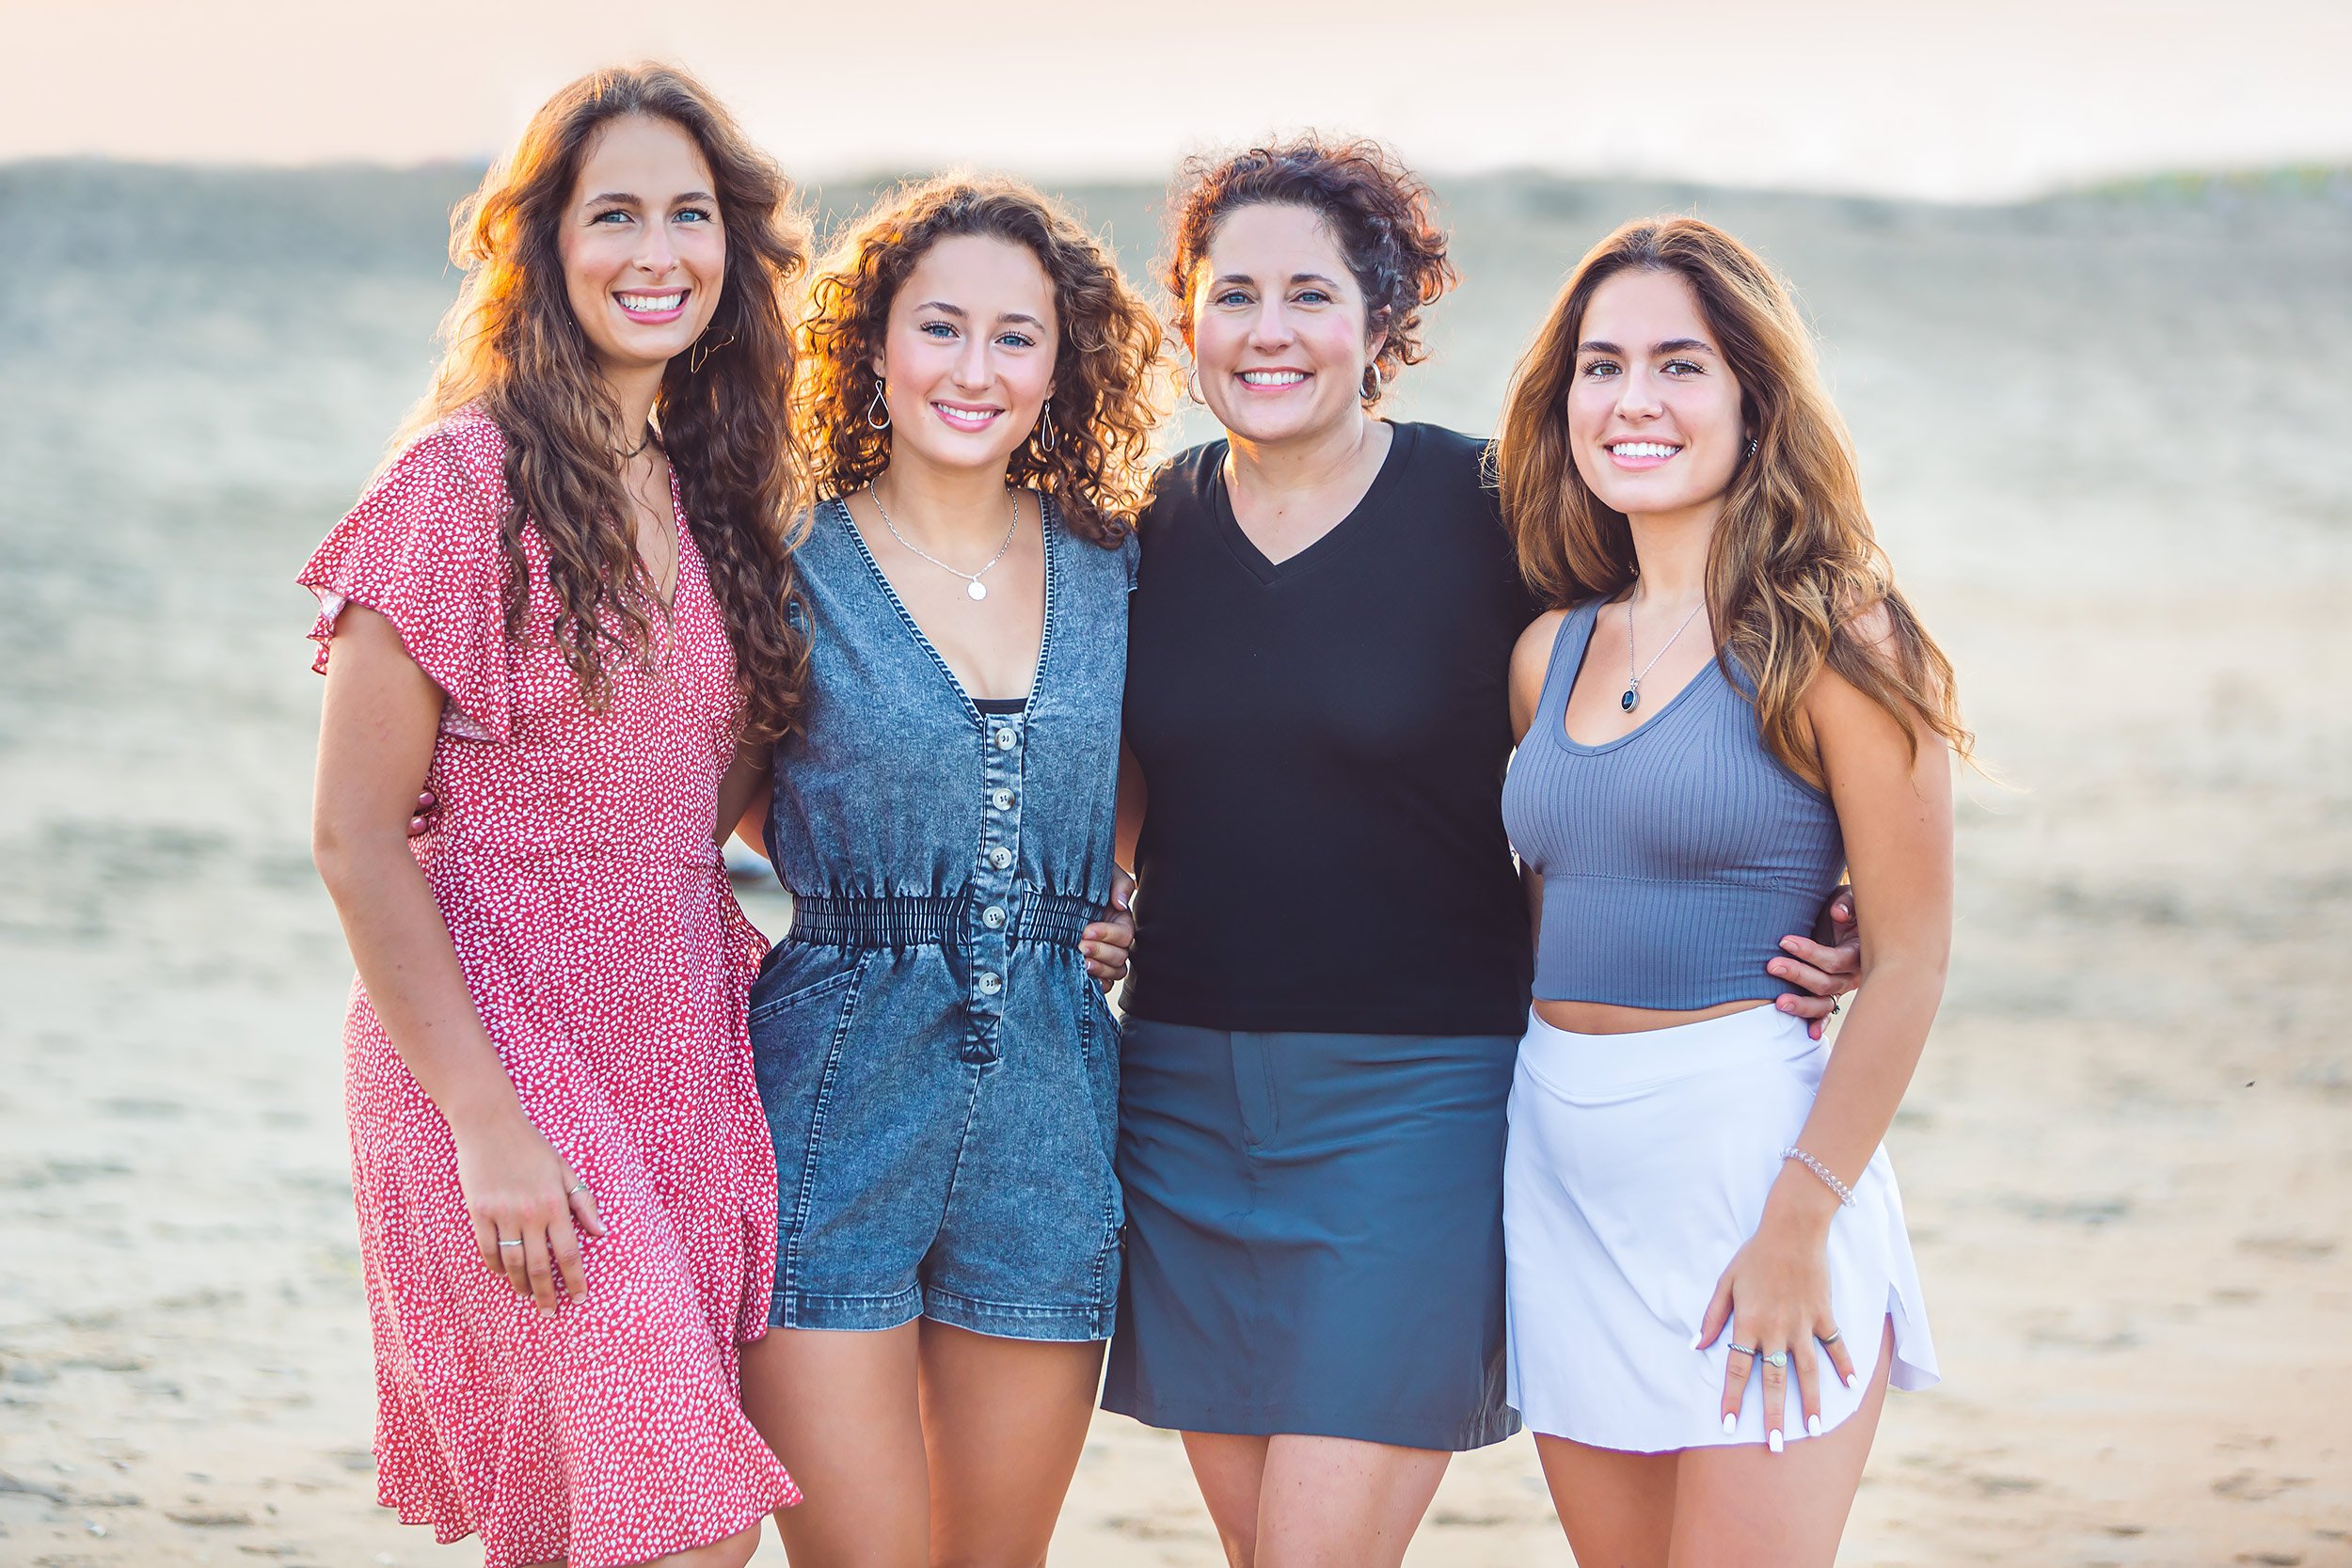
x,y
1335,539
1047,525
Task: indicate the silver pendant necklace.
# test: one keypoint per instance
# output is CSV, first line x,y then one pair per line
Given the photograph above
x,y
1632,698
973,587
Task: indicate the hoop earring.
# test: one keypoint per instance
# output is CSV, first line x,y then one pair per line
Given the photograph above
x,y
702,354
876,404
1048,438
1371,382
1192,384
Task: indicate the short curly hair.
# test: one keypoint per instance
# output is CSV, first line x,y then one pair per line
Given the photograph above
x,y
1377,210
1110,386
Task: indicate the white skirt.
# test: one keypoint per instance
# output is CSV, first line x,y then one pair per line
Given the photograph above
x,y
1638,1165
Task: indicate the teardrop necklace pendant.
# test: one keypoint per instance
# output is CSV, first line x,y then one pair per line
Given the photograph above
x,y
975,589
1633,697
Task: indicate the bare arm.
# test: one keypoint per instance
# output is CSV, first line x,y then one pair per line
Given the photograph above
x,y
744,798
376,741
1133,797
1531,657
1896,812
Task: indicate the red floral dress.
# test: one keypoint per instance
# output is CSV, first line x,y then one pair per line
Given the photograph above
x,y
572,859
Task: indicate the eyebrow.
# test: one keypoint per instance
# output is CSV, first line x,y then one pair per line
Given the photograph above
x,y
961,314
1672,345
627,199
1295,277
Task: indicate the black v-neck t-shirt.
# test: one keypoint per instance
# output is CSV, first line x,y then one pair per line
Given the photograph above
x,y
1323,741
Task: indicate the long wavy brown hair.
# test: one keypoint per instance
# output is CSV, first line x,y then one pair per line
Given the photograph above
x,y
1110,389
1794,570
511,349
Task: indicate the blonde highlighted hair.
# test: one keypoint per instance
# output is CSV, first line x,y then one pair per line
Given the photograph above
x,y
1795,577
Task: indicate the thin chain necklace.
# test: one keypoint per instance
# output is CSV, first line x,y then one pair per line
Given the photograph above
x,y
1632,698
973,587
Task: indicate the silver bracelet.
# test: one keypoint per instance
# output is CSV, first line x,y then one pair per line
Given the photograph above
x,y
1845,1193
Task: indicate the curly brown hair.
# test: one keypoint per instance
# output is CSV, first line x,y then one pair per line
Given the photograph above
x,y
1377,210
1109,389
1795,576
513,349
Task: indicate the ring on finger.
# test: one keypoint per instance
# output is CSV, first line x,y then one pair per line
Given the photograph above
x,y
1739,1349
516,1242
1777,1360
1831,1338
576,1189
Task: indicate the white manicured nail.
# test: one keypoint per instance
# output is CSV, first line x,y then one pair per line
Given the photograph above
x,y
1771,1440
1731,1425
1696,1340
1813,1425
1847,1380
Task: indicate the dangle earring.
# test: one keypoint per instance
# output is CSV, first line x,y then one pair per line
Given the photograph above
x,y
1752,446
1048,438
876,405
703,352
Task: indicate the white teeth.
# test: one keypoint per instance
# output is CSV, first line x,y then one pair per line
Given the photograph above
x,y
647,304
1644,449
974,417
1272,378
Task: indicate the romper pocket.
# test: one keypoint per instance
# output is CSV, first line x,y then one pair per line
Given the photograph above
x,y
806,990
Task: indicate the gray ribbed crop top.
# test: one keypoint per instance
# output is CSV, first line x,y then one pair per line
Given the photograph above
x,y
1674,859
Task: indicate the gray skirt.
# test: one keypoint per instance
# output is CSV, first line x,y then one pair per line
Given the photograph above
x,y
1314,1234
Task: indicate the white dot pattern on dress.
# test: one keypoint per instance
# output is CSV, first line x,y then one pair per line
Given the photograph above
x,y
572,859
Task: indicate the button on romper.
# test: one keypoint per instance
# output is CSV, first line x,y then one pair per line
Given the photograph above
x,y
939,1071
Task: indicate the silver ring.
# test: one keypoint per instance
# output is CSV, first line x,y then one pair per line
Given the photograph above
x,y
1777,1360
576,1190
1737,1348
516,1242
1831,1338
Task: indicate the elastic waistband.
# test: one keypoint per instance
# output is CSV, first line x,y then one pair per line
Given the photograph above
x,y
1602,1062
944,920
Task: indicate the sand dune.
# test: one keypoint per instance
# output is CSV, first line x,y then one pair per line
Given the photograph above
x,y
2106,437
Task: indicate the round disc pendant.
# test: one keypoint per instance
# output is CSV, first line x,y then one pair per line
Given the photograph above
x,y
1632,695
975,591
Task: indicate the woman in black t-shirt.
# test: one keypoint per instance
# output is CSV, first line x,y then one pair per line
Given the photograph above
x,y
1332,956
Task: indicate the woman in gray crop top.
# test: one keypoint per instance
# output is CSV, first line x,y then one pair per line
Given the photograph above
x,y
1735,706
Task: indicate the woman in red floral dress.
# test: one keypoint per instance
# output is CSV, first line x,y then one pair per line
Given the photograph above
x,y
560,609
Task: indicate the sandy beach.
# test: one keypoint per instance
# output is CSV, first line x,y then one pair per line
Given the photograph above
x,y
2106,437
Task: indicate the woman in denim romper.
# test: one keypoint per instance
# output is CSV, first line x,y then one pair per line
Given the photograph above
x,y
938,1067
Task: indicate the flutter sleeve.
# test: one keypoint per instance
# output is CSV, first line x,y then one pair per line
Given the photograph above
x,y
422,551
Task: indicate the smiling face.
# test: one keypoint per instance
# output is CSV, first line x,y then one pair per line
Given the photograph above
x,y
645,252
967,358
1279,333
1654,413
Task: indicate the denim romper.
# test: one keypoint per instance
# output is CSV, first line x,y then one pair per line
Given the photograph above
x,y
940,1072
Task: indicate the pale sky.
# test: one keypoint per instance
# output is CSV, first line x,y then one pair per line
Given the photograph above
x,y
1970,101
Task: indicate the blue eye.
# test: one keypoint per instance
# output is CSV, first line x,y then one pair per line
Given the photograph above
x,y
1015,340
698,214
610,214
1231,296
936,329
1313,296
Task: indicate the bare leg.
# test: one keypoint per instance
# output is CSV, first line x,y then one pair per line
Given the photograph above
x,y
1743,1505
1293,1501
1618,1508
1230,1470
734,1552
840,1411
1004,1421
